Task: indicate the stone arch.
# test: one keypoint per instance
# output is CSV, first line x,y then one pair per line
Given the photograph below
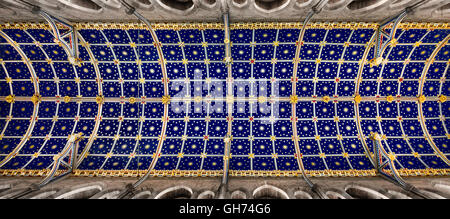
x,y
206,195
361,192
143,195
336,4
81,5
107,194
398,195
239,3
445,9
176,192
5,186
367,6
271,5
400,4
143,4
42,194
114,5
79,192
269,192
11,192
303,3
302,195
209,3
442,187
433,194
180,7
335,195
238,194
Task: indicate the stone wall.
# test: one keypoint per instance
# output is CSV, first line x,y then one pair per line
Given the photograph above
x,y
240,10
239,188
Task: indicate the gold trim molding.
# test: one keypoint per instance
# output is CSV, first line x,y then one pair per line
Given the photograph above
x,y
236,173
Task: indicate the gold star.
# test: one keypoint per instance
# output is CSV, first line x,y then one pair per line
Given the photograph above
x,y
392,156
165,99
262,99
390,98
138,137
442,98
393,42
293,99
422,98
358,98
10,98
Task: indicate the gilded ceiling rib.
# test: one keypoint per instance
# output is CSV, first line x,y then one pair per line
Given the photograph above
x,y
358,99
229,81
165,100
294,99
35,99
99,100
10,99
422,99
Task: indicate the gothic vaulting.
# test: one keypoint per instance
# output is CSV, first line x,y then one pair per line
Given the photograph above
x,y
272,89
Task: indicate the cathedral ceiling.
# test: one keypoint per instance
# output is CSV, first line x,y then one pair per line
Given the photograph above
x,y
128,102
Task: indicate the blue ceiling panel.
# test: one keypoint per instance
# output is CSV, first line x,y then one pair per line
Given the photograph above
x,y
121,76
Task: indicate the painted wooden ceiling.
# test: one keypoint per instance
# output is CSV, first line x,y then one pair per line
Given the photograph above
x,y
341,99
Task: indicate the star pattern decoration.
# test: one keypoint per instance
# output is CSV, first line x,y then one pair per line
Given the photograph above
x,y
337,101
